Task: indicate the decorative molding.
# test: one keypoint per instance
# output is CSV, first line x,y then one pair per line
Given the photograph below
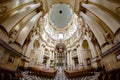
x,y
103,25
117,32
115,48
95,59
3,9
113,13
118,10
10,12
86,1
9,48
26,59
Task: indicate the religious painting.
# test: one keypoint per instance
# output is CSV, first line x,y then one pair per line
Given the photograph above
x,y
118,56
11,58
1,51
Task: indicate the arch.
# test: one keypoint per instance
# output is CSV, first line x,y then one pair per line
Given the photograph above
x,y
60,55
85,50
85,44
36,44
60,45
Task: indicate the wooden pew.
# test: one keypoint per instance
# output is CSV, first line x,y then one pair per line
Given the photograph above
x,y
7,74
38,72
73,74
1,76
110,75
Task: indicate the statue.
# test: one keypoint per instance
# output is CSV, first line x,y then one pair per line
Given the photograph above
x,y
12,36
108,37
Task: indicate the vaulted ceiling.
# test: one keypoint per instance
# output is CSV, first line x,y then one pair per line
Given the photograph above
x,y
98,20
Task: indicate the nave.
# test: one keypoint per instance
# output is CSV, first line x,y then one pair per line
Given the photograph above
x,y
60,39
60,75
28,77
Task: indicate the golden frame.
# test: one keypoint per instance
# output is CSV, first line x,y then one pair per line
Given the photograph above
x,y
11,59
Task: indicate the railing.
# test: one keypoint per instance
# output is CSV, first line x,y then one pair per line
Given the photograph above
x,y
76,74
110,75
42,73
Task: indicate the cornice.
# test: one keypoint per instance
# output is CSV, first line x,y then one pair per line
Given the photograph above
x,y
115,15
10,48
21,21
115,48
101,22
10,12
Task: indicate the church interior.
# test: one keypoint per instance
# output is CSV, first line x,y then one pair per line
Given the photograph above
x,y
59,39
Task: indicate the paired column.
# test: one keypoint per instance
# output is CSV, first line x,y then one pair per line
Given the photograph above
x,y
41,56
93,49
52,55
68,58
42,53
78,54
80,58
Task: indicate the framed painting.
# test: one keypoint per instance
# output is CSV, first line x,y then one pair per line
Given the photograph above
x,y
11,58
118,56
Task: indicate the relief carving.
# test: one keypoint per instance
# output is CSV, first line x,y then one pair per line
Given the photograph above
x,y
109,38
3,9
12,36
118,10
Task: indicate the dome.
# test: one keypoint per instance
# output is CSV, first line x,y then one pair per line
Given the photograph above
x,y
60,15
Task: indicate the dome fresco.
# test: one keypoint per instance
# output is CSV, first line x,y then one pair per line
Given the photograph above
x,y
60,15
68,31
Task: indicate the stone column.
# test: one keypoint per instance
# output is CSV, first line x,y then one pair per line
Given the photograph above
x,y
93,49
41,47
37,52
48,61
30,46
80,55
68,58
98,49
55,58
96,31
52,55
42,54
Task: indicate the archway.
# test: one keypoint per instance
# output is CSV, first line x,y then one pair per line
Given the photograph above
x,y
60,55
86,52
36,44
